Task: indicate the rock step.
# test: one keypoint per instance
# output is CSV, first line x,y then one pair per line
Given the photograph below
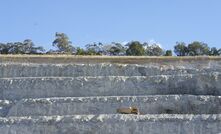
x,y
39,87
102,69
67,59
113,123
153,104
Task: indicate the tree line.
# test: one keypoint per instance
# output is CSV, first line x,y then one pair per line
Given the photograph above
x,y
134,48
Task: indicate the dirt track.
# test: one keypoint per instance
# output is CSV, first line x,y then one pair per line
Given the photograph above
x,y
101,59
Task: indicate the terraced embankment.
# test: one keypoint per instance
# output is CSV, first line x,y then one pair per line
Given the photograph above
x,y
71,95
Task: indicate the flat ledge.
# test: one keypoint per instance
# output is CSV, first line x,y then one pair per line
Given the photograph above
x,y
110,117
102,59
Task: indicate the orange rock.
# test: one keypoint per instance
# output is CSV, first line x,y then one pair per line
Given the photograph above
x,y
130,110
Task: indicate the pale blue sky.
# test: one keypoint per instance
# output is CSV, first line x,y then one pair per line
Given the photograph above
x,y
87,21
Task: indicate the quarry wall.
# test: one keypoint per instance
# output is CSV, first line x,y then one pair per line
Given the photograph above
x,y
80,95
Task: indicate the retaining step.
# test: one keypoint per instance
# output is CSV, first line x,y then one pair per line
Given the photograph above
x,y
157,104
123,124
38,87
5,105
100,69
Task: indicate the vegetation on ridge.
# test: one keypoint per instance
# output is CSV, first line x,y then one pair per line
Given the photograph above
x,y
134,48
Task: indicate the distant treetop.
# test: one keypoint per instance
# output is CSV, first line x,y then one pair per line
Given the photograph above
x,y
134,48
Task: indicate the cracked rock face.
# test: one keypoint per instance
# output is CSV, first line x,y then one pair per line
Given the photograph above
x,y
78,95
153,104
38,87
103,69
124,124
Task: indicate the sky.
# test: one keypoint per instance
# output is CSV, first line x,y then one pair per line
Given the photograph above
x,y
106,21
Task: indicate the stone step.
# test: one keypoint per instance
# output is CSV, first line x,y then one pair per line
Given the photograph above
x,y
101,69
153,104
113,124
39,87
5,106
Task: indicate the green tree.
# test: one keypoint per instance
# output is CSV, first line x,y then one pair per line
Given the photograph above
x,y
28,47
25,47
180,49
5,48
168,53
16,48
117,49
197,48
154,50
63,43
215,52
94,49
135,49
80,51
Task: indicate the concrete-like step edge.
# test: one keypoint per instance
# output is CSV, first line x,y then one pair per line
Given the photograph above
x,y
44,87
124,124
103,117
102,69
152,104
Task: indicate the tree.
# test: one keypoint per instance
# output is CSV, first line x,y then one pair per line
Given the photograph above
x,y
168,53
154,50
16,48
180,49
94,49
219,51
116,49
135,49
5,48
215,52
28,47
80,51
198,48
63,43
25,47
